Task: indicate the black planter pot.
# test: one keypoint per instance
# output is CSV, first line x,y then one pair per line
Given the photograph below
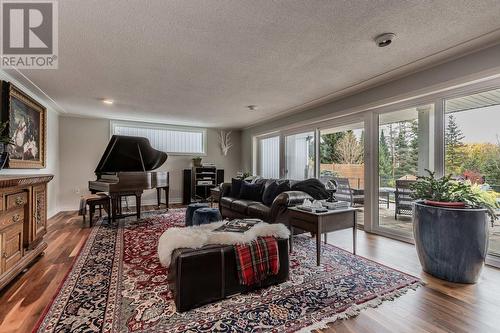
x,y
451,243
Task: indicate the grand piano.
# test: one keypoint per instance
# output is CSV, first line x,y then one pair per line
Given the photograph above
x,y
125,170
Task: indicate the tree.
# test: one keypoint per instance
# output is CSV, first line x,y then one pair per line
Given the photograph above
x,y
401,151
453,142
327,148
349,150
384,161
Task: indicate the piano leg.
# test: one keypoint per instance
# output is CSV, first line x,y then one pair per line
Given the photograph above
x,y
138,204
167,190
114,206
158,196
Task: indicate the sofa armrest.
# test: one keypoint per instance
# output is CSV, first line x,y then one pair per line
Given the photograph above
x,y
285,200
291,198
225,189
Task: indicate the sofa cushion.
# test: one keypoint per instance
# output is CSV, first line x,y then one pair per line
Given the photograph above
x,y
227,201
241,205
251,191
236,187
259,210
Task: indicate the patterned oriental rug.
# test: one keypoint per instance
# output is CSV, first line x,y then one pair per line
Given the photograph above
x,y
118,285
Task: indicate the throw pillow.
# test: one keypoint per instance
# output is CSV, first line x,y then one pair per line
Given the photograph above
x,y
251,191
273,190
236,187
269,193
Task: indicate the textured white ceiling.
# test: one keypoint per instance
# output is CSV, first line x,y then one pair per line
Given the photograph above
x,y
201,62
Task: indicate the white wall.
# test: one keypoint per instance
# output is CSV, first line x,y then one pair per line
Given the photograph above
x,y
52,161
83,140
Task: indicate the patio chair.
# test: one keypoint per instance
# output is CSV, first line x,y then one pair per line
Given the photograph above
x,y
403,197
346,193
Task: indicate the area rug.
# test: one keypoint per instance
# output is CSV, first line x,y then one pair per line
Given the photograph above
x,y
118,285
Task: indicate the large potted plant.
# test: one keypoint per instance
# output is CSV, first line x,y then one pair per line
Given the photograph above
x,y
450,225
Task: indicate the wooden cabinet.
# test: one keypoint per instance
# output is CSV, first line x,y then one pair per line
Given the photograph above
x,y
39,213
12,246
23,222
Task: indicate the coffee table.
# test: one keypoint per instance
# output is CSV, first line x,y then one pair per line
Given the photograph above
x,y
319,223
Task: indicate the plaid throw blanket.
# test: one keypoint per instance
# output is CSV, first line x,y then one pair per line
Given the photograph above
x,y
257,260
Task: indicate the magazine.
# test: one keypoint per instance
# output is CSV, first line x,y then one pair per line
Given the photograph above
x,y
238,225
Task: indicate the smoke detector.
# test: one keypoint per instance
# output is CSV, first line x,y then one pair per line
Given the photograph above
x,y
385,39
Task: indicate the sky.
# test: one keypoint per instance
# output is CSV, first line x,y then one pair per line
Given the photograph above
x,y
480,125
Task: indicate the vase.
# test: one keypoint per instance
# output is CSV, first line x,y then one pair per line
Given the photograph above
x,y
452,243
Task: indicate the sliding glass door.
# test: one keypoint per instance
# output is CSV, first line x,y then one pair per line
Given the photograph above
x,y
405,150
472,145
299,155
341,151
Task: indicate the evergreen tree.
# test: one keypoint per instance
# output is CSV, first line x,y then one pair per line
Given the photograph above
x,y
413,137
328,145
384,161
402,151
453,143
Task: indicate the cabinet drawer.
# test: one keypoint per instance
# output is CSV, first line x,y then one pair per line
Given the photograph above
x,y
16,200
12,217
12,247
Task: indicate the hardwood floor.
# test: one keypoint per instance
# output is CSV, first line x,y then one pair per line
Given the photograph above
x,y
437,307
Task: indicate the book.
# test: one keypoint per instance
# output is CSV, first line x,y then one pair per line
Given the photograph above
x,y
238,225
312,209
336,204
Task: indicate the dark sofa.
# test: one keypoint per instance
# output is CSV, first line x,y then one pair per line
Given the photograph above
x,y
276,212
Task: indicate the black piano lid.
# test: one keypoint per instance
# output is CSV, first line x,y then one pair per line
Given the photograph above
x,y
130,153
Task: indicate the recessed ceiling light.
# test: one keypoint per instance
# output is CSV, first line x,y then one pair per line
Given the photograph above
x,y
385,39
251,107
108,101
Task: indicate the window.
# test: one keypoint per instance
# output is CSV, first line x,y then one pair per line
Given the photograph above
x,y
170,139
269,157
472,145
405,150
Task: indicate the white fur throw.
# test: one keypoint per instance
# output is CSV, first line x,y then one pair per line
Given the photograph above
x,y
198,236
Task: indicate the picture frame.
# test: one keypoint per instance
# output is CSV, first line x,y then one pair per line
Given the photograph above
x,y
27,126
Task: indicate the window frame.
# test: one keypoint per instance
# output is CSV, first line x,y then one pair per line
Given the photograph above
x,y
144,125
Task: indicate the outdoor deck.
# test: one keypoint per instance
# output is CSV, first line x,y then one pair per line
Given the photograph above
x,y
404,224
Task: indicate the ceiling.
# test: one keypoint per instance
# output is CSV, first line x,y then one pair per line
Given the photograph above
x,y
201,62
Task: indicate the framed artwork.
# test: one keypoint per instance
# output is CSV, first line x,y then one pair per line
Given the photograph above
x,y
27,121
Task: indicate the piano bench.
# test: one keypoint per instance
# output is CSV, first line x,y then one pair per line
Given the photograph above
x,y
100,200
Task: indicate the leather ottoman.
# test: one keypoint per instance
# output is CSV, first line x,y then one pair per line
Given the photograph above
x,y
208,274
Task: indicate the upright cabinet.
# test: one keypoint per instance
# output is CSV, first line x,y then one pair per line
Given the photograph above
x,y
198,181
23,222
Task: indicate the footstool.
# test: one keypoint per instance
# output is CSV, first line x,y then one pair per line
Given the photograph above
x,y
191,208
208,274
206,215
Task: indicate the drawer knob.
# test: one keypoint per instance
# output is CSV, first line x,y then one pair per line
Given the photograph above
x,y
19,201
16,218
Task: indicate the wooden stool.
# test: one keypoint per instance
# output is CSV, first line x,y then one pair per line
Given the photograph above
x,y
101,200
